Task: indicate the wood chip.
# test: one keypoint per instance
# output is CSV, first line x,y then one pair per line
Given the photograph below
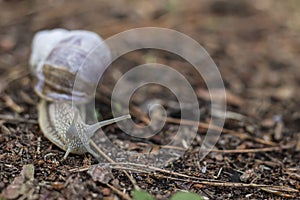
x,y
5,130
11,104
298,142
27,98
278,131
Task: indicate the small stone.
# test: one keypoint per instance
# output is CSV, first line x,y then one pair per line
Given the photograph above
x,y
106,191
7,43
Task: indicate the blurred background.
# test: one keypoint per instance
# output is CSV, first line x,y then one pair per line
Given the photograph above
x,y
254,43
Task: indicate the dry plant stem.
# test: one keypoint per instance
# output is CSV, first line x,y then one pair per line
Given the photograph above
x,y
11,104
258,150
139,114
162,170
136,112
156,169
216,128
102,153
13,119
231,184
268,188
193,179
278,193
20,71
210,182
121,194
79,169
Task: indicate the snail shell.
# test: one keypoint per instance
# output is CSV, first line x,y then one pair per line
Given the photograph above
x,y
60,56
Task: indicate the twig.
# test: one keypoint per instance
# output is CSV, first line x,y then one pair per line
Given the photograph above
x,y
11,104
101,152
268,188
278,193
210,182
233,184
252,185
144,118
278,148
119,166
122,194
193,179
20,71
79,169
207,126
140,115
12,119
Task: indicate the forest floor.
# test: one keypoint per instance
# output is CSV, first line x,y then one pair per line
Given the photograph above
x,y
256,46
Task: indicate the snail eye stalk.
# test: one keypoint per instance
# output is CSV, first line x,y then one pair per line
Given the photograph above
x,y
93,128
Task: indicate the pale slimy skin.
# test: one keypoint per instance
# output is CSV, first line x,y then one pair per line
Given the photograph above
x,y
62,125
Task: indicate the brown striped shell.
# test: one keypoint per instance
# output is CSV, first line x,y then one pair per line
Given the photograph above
x,y
59,57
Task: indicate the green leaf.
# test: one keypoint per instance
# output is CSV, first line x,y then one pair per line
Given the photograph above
x,y
141,195
186,196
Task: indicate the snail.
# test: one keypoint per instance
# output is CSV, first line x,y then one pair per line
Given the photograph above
x,y
57,57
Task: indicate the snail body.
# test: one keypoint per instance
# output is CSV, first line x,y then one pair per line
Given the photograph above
x,y
62,125
59,58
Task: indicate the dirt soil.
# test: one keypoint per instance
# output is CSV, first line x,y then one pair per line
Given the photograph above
x,y
256,46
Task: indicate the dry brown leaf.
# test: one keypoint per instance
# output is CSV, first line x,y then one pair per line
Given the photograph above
x,y
101,173
21,184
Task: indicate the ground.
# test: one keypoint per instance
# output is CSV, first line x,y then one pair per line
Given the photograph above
x,y
255,45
